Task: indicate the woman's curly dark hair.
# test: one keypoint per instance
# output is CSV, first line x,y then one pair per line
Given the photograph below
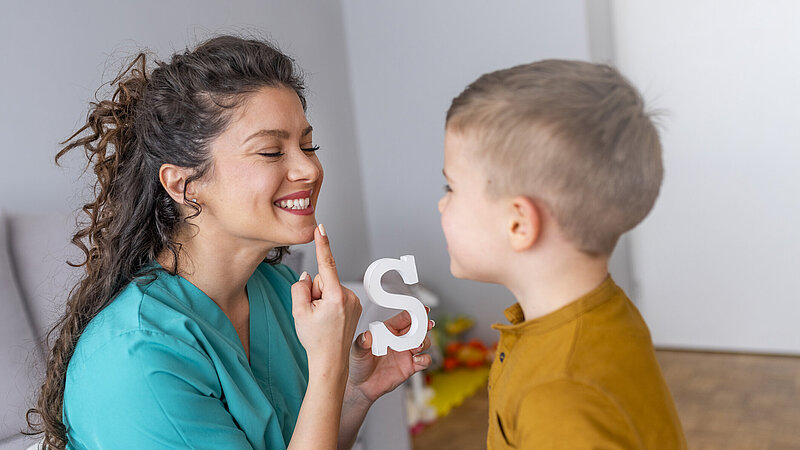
x,y
168,115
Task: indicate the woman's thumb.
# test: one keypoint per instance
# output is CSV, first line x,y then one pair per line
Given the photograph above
x,y
301,294
362,344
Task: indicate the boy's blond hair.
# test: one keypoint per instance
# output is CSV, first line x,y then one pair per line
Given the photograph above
x,y
572,134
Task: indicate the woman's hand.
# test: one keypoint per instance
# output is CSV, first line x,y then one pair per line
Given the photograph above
x,y
325,312
372,376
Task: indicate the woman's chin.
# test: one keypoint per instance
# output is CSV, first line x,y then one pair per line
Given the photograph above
x,y
303,236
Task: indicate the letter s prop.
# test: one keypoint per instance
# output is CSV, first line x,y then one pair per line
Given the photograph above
x,y
382,338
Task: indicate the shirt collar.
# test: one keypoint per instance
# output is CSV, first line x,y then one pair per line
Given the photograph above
x,y
606,290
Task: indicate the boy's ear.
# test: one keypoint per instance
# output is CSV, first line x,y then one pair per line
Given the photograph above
x,y
525,224
173,178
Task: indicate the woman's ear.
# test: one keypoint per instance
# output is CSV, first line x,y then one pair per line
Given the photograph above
x,y
173,178
525,224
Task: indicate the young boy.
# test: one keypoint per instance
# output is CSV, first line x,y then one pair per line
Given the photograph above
x,y
547,164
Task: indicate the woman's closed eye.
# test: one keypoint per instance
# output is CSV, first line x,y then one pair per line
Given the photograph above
x,y
278,154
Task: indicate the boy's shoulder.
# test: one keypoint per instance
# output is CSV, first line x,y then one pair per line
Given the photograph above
x,y
599,341
590,367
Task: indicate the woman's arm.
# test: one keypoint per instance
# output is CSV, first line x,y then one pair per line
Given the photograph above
x,y
325,316
372,376
317,425
354,410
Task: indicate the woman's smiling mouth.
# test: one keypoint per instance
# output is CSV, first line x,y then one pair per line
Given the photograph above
x,y
297,203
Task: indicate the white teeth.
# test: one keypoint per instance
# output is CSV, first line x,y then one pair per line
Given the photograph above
x,y
300,203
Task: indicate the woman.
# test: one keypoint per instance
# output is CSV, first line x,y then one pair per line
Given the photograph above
x,y
185,330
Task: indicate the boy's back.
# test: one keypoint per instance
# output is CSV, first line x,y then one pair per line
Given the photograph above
x,y
584,376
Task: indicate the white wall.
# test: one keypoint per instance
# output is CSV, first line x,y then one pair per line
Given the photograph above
x,y
55,54
718,260
407,61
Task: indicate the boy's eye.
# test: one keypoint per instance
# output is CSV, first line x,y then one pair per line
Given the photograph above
x,y
447,188
310,149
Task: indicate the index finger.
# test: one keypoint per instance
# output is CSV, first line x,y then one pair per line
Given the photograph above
x,y
325,262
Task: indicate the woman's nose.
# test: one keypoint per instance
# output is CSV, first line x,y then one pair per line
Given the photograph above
x,y
302,167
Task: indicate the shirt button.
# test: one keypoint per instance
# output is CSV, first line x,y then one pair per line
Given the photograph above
x,y
502,356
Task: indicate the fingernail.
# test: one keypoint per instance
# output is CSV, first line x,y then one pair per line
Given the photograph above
x,y
427,309
418,359
322,230
363,337
304,276
433,324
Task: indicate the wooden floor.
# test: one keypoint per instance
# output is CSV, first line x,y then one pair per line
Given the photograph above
x,y
725,401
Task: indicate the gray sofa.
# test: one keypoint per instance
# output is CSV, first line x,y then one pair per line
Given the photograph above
x,y
34,282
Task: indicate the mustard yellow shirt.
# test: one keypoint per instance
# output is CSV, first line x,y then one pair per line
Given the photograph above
x,y
584,376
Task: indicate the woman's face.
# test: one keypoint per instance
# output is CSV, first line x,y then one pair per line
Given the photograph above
x,y
263,186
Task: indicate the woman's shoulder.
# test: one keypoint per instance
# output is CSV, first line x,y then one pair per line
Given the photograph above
x,y
121,369
147,309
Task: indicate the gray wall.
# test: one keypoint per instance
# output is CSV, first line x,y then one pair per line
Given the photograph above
x,y
407,61
55,54
381,77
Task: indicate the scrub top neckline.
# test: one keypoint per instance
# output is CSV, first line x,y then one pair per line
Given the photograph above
x,y
217,317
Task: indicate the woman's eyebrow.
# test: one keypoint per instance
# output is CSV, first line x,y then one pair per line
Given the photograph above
x,y
280,134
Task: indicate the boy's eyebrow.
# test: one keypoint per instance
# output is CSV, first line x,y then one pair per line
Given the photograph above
x,y
280,134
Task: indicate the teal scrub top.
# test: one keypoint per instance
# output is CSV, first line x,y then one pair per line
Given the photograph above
x,y
162,367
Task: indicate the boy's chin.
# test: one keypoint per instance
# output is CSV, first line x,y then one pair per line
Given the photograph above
x,y
457,271
464,274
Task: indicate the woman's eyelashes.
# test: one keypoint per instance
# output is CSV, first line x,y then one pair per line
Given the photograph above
x,y
278,154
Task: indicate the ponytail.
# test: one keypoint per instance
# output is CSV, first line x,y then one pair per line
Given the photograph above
x,y
109,147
